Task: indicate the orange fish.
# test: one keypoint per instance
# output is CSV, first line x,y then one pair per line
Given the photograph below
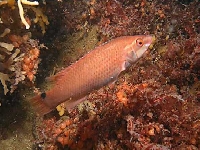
x,y
96,69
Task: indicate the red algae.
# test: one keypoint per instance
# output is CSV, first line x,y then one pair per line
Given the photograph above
x,y
154,105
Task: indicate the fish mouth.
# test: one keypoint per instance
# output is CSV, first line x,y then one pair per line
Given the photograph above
x,y
142,50
148,40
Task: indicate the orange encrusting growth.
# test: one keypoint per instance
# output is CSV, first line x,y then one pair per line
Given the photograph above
x,y
95,70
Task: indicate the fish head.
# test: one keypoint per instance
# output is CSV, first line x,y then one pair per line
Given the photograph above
x,y
137,47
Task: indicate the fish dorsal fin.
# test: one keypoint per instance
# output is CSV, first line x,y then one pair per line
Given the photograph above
x,y
54,79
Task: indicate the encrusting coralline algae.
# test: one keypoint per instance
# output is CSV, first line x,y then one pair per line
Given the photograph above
x,y
19,61
19,54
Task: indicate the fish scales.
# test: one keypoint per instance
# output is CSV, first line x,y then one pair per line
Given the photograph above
x,y
93,71
89,73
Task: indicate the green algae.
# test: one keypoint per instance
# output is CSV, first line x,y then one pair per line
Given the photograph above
x,y
17,122
78,44
16,127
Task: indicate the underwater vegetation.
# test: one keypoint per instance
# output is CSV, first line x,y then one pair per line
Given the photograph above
x,y
153,105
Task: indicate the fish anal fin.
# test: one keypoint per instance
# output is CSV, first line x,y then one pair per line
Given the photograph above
x,y
69,104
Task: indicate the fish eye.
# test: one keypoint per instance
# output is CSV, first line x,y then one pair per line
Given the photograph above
x,y
139,42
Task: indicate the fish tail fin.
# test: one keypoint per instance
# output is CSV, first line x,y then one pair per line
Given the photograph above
x,y
40,106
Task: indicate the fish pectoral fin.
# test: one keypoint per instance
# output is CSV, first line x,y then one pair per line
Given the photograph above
x,y
69,104
125,65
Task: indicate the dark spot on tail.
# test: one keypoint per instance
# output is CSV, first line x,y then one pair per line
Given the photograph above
x,y
43,95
